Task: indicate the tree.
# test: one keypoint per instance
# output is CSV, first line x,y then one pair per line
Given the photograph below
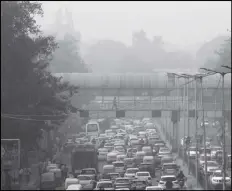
x,y
66,58
27,87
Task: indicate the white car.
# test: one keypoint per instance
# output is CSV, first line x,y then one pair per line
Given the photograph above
x,y
106,185
164,152
102,153
86,181
74,187
192,152
166,178
131,172
144,175
202,159
211,167
216,178
214,150
154,188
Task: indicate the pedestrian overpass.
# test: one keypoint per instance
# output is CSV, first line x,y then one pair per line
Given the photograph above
x,y
140,94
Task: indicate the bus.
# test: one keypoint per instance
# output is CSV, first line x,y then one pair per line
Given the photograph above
x,y
92,128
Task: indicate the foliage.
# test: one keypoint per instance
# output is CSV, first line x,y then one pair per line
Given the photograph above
x,y
26,85
66,57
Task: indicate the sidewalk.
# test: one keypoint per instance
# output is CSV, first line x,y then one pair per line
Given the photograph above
x,y
191,182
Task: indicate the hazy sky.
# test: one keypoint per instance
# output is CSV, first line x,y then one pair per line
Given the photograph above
x,y
181,23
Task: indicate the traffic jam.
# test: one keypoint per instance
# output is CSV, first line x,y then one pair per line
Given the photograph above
x,y
132,156
128,154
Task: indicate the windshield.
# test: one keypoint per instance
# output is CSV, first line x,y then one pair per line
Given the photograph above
x,y
192,149
215,148
203,157
171,166
119,164
83,178
164,150
218,174
212,164
122,181
116,175
88,172
92,127
143,174
132,171
168,179
105,185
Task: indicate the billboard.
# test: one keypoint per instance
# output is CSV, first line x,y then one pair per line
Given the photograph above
x,y
10,153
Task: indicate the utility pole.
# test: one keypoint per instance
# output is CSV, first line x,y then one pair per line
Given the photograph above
x,y
196,132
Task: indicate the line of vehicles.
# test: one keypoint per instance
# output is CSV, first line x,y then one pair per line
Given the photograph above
x,y
214,158
133,154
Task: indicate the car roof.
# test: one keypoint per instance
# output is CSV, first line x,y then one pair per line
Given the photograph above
x,y
108,165
164,176
171,163
148,157
88,169
105,181
143,172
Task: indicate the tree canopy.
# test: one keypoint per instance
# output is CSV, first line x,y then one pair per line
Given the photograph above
x,y
27,87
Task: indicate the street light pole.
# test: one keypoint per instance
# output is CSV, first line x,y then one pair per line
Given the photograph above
x,y
204,134
196,134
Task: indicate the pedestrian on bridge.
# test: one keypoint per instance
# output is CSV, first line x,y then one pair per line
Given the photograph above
x,y
114,103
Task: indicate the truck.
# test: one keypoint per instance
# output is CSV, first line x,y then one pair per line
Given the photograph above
x,y
84,156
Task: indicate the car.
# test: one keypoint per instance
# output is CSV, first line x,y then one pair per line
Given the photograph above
x,y
90,172
214,150
138,184
122,183
74,187
192,152
147,167
152,139
131,152
113,176
106,185
119,167
70,181
86,181
211,167
165,178
153,188
144,175
170,169
122,189
102,153
216,179
121,157
202,159
164,152
131,172
120,149
129,162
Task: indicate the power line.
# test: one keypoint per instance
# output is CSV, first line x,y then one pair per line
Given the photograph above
x,y
25,119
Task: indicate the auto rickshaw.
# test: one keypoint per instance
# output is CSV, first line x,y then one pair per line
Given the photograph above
x,y
48,181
